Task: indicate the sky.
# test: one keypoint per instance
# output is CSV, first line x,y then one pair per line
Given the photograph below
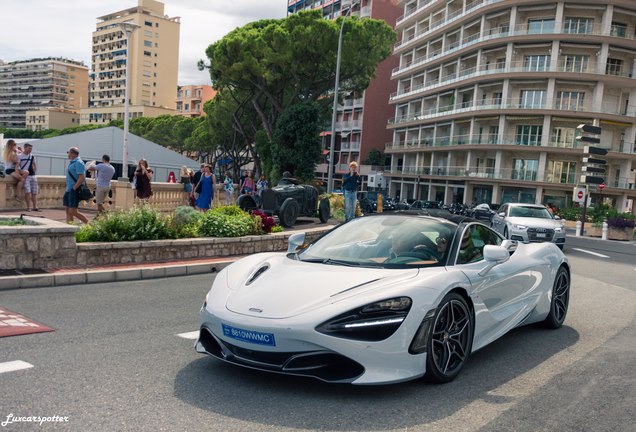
x,y
63,28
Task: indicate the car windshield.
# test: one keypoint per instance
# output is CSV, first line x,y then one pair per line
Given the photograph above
x,y
530,212
387,241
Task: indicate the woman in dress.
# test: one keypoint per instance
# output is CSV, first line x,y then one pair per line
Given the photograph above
x,y
208,184
248,187
143,174
12,167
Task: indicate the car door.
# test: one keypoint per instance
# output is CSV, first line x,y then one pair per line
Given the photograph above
x,y
500,294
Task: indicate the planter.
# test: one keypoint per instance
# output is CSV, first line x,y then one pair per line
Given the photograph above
x,y
612,233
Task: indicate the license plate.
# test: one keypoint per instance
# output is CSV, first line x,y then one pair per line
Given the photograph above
x,y
541,235
249,336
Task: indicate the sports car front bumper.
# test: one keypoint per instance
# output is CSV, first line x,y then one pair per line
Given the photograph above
x,y
300,350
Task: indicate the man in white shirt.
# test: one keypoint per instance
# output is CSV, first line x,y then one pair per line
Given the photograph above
x,y
104,173
31,189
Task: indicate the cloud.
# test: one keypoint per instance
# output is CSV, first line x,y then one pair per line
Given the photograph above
x,y
63,28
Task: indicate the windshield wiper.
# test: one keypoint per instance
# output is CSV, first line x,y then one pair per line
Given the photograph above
x,y
331,261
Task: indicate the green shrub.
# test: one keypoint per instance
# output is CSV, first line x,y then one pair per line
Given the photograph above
x,y
277,228
186,215
139,223
226,221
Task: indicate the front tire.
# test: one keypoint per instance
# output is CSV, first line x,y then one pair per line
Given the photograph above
x,y
450,340
324,210
288,213
560,300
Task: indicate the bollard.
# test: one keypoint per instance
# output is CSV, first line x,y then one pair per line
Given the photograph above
x,y
578,228
604,232
380,207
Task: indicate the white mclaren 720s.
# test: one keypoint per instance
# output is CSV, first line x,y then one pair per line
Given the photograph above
x,y
382,299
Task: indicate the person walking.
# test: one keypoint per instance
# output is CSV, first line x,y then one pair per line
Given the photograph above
x,y
143,174
248,186
11,157
261,186
75,176
31,189
350,183
228,187
208,184
104,173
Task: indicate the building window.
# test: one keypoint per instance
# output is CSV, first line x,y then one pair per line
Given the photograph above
x,y
148,23
148,43
147,53
525,169
570,100
614,66
564,137
147,33
578,25
618,29
575,63
529,135
561,172
186,107
539,26
532,99
537,63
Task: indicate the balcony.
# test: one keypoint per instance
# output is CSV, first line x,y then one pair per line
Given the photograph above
x,y
519,30
509,104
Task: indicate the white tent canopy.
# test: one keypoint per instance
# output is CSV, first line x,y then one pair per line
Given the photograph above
x,y
51,157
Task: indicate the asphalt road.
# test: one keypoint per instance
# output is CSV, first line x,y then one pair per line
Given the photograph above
x,y
115,362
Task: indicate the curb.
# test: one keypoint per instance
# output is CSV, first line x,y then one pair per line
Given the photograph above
x,y
89,276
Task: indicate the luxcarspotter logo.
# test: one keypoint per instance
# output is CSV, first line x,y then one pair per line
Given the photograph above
x,y
34,419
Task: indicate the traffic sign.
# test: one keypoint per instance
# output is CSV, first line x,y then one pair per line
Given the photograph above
x,y
594,150
595,130
593,170
601,186
592,180
579,194
594,161
589,139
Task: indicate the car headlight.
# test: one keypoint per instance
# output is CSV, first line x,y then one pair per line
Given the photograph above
x,y
558,229
373,322
519,227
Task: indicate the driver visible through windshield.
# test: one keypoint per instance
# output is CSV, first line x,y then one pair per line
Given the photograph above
x,y
390,241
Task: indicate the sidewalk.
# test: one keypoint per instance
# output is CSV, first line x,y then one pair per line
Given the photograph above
x,y
56,214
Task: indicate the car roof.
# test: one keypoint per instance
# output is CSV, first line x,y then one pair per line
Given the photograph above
x,y
525,205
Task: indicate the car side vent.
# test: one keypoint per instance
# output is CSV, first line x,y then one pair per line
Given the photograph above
x,y
257,273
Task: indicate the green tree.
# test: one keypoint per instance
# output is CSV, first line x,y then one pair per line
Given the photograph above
x,y
298,141
375,157
270,65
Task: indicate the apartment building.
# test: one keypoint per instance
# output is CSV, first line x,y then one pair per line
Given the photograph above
x,y
489,94
153,57
39,84
361,120
51,118
191,98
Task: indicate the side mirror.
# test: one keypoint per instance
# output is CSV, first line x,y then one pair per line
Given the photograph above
x,y
295,241
494,255
557,218
502,214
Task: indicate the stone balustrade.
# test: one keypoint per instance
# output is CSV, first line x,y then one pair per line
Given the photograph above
x,y
166,196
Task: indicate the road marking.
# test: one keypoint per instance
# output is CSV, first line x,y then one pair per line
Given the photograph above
x,y
15,365
189,335
591,253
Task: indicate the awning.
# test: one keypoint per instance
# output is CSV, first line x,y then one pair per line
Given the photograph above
x,y
325,152
325,133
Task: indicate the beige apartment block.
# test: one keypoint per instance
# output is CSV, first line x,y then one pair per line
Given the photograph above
x,y
105,115
489,94
191,98
51,118
153,54
38,84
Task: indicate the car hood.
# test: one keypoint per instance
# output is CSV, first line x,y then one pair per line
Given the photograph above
x,y
279,287
535,222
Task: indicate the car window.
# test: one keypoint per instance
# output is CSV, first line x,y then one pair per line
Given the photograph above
x,y
474,239
503,209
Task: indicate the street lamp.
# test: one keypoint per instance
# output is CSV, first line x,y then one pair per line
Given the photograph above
x,y
128,28
334,114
